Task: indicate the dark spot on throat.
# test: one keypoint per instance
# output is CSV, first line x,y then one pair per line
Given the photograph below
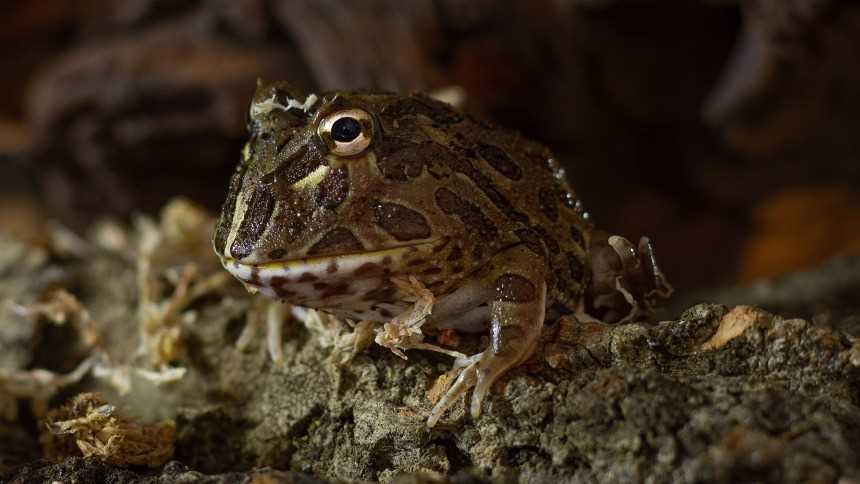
x,y
368,269
306,277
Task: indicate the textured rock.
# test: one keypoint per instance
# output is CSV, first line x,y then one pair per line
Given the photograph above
x,y
713,395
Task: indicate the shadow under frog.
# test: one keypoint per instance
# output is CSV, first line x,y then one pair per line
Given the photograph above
x,y
338,195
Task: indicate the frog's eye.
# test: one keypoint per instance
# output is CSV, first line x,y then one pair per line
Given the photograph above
x,y
347,132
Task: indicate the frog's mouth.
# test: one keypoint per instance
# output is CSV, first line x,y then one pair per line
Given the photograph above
x,y
356,265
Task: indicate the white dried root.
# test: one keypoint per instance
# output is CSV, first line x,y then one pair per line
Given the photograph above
x,y
404,331
161,320
347,339
61,308
266,106
37,385
120,377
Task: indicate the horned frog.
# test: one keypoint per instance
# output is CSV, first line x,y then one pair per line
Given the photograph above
x,y
339,195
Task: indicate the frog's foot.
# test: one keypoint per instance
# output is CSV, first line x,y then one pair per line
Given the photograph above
x,y
467,375
483,369
626,282
517,309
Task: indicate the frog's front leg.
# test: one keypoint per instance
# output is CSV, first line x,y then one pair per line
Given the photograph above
x,y
513,288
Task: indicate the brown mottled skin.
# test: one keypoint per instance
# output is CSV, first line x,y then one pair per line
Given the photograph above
x,y
490,221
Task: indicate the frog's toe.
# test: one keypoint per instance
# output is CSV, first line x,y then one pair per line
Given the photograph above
x,y
490,368
465,380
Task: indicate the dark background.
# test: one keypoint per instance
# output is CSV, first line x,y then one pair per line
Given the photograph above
x,y
728,131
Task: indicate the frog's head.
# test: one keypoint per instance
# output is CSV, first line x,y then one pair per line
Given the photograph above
x,y
334,182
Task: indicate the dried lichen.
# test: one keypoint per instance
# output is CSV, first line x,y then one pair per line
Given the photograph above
x,y
404,331
87,425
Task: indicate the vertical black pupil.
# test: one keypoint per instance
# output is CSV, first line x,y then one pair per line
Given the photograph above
x,y
345,129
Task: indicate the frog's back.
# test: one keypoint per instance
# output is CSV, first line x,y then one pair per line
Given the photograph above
x,y
517,184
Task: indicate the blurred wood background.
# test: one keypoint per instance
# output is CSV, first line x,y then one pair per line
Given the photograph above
x,y
725,130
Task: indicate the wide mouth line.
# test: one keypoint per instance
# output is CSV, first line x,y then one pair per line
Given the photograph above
x,y
310,260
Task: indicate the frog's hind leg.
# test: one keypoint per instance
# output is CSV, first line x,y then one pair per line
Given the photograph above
x,y
516,328
517,310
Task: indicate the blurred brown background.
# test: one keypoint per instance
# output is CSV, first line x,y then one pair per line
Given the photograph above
x,y
728,131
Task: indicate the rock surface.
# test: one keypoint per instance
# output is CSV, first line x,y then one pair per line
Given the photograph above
x,y
716,394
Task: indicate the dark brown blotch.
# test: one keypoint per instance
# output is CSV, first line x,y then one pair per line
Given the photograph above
x,y
277,254
255,278
456,253
435,285
284,293
577,272
385,293
368,269
421,104
296,167
500,161
260,208
548,202
334,188
576,235
401,159
338,289
442,246
515,288
400,222
548,240
307,277
222,230
461,164
469,214
540,160
531,240
337,241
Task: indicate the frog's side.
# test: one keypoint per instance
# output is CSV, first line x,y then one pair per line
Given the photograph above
x,y
480,216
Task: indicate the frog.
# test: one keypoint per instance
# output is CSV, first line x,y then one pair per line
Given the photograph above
x,y
339,194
